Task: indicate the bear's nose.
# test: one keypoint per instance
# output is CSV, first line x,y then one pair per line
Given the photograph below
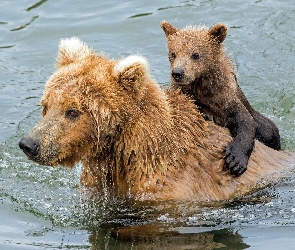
x,y
29,146
177,74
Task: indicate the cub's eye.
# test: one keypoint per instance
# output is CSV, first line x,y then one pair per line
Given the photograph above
x,y
172,55
195,56
72,114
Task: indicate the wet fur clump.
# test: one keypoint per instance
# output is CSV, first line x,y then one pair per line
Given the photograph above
x,y
134,139
201,69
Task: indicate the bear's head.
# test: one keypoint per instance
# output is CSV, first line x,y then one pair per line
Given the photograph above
x,y
86,104
193,52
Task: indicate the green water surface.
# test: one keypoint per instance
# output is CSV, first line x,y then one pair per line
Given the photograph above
x,y
45,208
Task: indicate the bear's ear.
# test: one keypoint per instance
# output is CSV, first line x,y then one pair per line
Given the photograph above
x,y
133,73
219,32
72,50
168,28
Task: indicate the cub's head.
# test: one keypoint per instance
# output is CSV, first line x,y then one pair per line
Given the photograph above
x,y
85,105
193,52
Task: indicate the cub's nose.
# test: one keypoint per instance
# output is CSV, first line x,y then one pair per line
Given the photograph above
x,y
177,74
29,146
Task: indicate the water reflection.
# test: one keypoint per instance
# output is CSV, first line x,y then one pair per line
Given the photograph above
x,y
157,236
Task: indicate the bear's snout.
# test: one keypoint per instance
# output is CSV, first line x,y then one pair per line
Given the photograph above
x,y
177,74
29,146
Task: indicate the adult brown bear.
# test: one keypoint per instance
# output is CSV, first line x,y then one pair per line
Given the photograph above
x,y
201,69
133,138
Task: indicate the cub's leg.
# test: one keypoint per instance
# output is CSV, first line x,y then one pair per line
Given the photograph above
x,y
242,127
266,131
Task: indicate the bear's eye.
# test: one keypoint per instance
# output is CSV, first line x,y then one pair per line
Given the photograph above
x,y
172,55
44,110
195,56
72,114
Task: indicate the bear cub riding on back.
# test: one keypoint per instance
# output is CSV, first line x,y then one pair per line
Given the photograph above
x,y
201,69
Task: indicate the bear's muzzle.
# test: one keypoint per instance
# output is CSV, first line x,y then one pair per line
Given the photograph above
x,y
29,146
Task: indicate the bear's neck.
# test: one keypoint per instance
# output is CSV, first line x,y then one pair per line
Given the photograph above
x,y
221,72
152,150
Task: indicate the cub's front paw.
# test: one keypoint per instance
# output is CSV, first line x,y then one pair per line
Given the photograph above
x,y
236,160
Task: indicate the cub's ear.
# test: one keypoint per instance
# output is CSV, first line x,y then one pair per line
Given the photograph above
x,y
219,32
72,50
133,74
168,28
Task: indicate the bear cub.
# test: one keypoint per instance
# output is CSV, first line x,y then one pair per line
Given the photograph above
x,y
200,68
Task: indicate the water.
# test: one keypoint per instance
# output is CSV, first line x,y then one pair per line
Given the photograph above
x,y
45,208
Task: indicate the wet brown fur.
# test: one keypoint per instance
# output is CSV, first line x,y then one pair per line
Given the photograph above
x,y
135,139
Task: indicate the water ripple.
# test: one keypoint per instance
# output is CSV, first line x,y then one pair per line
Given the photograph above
x,y
140,15
36,5
7,46
25,25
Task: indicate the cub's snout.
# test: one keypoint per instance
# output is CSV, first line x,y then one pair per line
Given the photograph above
x,y
177,74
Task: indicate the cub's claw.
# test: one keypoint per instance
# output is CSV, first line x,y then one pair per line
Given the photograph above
x,y
235,161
